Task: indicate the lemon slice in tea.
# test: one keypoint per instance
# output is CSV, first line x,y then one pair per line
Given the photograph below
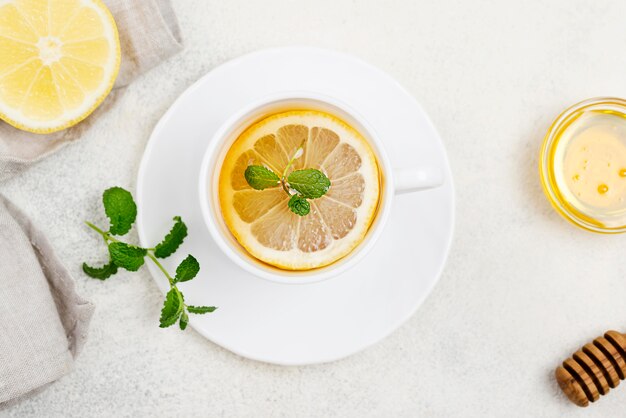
x,y
58,61
261,220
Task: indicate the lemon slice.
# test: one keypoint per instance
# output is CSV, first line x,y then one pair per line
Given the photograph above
x,y
261,221
58,61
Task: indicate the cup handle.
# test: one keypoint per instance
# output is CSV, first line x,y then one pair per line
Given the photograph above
x,y
408,180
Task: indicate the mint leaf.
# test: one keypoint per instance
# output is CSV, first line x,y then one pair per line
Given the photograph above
x,y
187,269
172,240
120,208
172,308
127,256
310,183
299,205
259,177
184,320
200,309
101,273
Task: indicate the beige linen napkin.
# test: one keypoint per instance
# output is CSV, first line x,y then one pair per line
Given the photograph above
x,y
43,321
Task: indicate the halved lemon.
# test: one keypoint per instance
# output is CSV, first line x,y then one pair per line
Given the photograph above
x,y
261,220
58,61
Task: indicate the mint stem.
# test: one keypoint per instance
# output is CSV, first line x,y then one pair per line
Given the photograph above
x,y
284,185
95,228
160,266
283,180
107,237
293,158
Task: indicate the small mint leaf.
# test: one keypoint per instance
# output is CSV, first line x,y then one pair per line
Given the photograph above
x,y
184,320
259,177
127,256
172,308
101,273
299,205
200,309
172,240
187,269
120,208
310,183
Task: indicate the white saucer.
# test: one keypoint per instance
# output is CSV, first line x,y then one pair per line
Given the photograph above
x,y
313,323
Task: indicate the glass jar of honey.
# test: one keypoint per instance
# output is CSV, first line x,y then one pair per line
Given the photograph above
x,y
583,164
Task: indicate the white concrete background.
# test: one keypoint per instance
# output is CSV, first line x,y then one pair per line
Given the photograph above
x,y
522,288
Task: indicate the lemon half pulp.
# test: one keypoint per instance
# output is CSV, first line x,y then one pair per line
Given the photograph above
x,y
58,61
261,220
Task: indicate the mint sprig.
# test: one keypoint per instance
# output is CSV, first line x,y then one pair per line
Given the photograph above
x,y
187,269
101,273
184,320
172,240
299,205
309,183
299,185
260,177
172,308
121,210
201,309
127,256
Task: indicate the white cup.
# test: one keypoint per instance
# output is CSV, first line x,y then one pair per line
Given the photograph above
x,y
396,180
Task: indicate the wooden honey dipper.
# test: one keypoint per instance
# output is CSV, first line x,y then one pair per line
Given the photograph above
x,y
593,370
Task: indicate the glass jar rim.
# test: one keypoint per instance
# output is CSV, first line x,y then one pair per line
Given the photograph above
x,y
546,163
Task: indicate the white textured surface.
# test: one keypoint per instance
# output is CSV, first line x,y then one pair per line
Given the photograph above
x,y
522,288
